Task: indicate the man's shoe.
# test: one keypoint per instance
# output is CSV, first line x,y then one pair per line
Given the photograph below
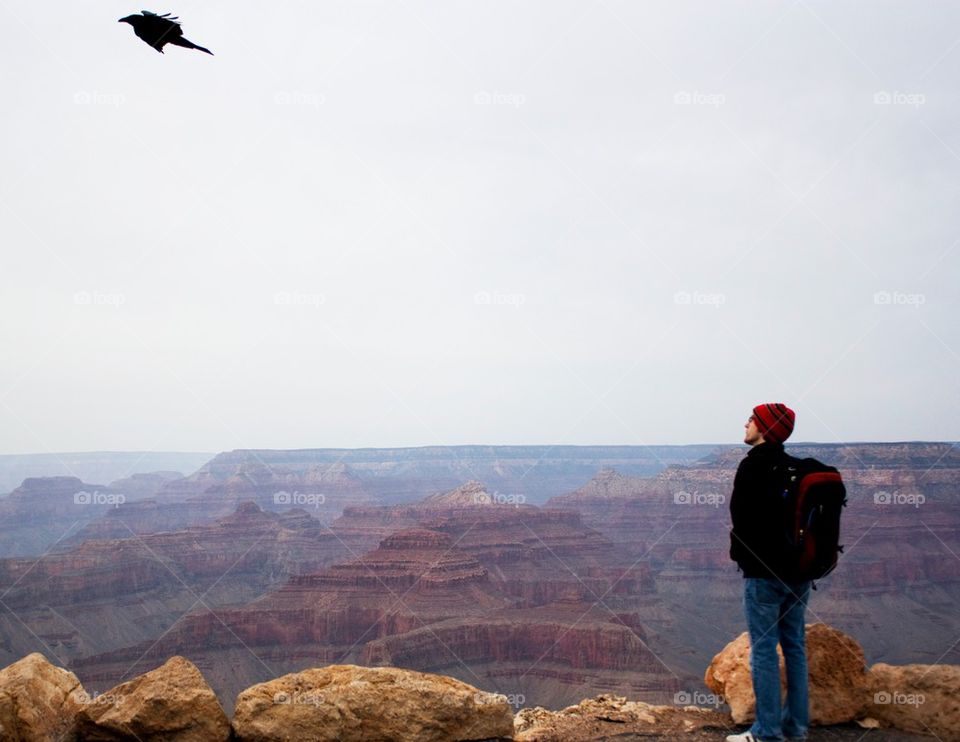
x,y
743,737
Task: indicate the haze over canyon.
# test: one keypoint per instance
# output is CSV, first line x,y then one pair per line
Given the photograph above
x,y
546,574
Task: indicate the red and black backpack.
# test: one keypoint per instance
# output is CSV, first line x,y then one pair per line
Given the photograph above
x,y
812,498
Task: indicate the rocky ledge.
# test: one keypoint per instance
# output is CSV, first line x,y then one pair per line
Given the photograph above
x,y
349,703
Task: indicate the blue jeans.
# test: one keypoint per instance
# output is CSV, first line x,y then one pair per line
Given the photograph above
x,y
775,613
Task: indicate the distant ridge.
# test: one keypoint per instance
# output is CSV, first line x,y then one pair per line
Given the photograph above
x,y
94,466
537,472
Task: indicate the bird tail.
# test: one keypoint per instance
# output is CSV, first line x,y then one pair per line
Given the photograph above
x,y
186,43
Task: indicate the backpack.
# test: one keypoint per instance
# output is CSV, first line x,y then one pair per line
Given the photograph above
x,y
812,498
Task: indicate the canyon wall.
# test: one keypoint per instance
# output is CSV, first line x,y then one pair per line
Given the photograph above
x,y
621,585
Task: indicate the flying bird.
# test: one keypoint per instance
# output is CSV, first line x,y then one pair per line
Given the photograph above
x,y
158,30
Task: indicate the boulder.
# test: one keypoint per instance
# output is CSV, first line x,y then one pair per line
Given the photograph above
x,y
172,702
8,716
836,669
614,717
350,703
38,701
916,698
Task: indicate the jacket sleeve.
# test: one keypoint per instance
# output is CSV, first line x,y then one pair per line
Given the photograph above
x,y
738,514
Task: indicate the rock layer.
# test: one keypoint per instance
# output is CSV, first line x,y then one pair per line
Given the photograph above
x,y
102,595
901,529
46,510
518,599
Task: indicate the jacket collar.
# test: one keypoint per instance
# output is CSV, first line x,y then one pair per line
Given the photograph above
x,y
767,448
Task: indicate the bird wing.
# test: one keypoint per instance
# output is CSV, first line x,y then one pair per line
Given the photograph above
x,y
164,17
159,29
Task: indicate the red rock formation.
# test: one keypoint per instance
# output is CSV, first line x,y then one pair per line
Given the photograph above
x,y
143,485
397,475
101,595
204,498
452,584
417,583
45,510
901,528
537,555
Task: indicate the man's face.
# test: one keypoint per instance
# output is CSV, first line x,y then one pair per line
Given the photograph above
x,y
752,437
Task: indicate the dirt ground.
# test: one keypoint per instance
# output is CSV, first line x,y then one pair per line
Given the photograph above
x,y
614,718
839,733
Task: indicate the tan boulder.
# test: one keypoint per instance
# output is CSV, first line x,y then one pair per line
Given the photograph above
x,y
836,669
916,698
8,716
350,703
729,676
172,702
608,717
38,701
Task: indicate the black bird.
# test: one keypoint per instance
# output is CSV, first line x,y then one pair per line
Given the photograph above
x,y
158,30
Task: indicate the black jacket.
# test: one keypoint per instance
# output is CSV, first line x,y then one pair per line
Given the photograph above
x,y
757,539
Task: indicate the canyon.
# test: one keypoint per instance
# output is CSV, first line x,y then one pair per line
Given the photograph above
x,y
619,583
521,599
322,481
897,584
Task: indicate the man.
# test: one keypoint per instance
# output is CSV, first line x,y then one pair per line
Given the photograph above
x,y
774,607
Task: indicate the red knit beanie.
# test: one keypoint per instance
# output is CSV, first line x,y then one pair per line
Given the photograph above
x,y
774,421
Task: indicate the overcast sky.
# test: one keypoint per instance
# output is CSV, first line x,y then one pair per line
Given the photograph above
x,y
406,223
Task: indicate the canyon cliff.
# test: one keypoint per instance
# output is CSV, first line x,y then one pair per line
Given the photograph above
x,y
103,594
518,599
322,481
622,585
901,530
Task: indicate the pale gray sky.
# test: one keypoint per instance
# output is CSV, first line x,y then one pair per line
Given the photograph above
x,y
408,223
